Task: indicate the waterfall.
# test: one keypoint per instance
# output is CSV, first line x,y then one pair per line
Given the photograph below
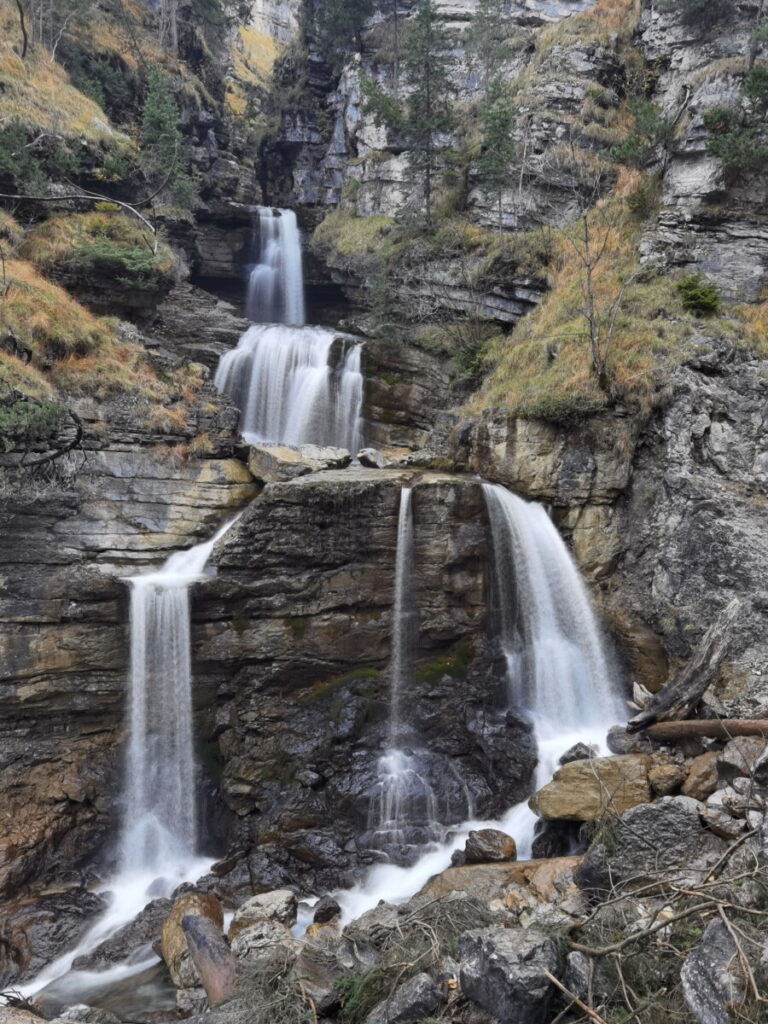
x,y
284,381
404,615
293,384
275,280
557,672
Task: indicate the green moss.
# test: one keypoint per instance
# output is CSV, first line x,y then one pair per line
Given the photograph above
x,y
322,689
454,663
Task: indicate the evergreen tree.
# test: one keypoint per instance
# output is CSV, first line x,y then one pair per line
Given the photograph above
x,y
485,41
426,113
161,149
497,153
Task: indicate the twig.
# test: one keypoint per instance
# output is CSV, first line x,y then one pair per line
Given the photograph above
x,y
617,946
574,998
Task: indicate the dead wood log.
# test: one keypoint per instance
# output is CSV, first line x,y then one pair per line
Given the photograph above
x,y
679,697
715,728
214,960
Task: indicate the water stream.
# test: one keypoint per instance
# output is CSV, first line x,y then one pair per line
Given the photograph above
x,y
558,676
293,384
158,834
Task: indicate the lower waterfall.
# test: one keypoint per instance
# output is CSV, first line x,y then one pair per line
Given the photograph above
x,y
158,832
557,673
292,387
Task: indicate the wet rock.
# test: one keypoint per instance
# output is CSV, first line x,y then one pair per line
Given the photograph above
x,y
35,932
586,790
131,939
326,909
503,971
554,838
578,752
711,977
371,458
279,905
489,844
702,776
173,943
412,1001
739,757
645,841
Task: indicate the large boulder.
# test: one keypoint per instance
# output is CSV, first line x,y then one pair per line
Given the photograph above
x,y
646,842
259,939
271,463
173,942
489,844
413,1001
586,790
702,776
279,905
502,970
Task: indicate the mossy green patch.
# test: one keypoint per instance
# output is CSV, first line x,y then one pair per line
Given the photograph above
x,y
453,663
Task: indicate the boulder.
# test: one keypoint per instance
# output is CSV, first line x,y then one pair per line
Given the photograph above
x,y
702,776
587,790
489,844
326,909
259,938
502,970
272,463
129,940
279,905
173,943
485,882
412,1001
647,841
578,752
371,458
619,741
666,778
711,976
83,1014
740,756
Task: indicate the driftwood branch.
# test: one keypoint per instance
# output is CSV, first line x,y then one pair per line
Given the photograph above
x,y
678,698
214,960
716,728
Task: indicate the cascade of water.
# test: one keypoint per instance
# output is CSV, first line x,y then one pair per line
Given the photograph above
x,y
292,384
557,672
159,818
288,391
158,834
275,281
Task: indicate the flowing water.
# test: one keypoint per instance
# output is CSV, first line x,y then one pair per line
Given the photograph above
x,y
293,385
557,672
158,836
275,279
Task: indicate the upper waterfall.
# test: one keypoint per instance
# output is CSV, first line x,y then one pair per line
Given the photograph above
x,y
275,279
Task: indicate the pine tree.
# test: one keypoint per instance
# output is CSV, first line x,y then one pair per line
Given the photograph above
x,y
161,150
497,153
340,23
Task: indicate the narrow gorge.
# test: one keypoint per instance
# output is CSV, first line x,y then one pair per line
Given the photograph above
x,y
383,544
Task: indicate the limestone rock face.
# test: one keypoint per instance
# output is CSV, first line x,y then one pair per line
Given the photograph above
x,y
502,970
589,789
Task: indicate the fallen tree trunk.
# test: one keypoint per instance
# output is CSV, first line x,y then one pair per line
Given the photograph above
x,y
679,697
715,728
214,960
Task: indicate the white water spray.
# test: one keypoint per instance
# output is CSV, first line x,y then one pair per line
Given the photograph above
x,y
275,282
294,386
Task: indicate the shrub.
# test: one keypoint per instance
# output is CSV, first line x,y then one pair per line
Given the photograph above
x,y
649,129
24,423
699,296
